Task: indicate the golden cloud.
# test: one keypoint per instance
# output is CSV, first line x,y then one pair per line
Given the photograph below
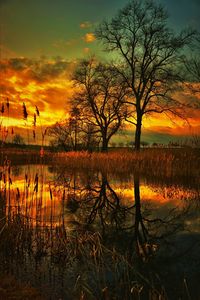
x,y
85,25
42,82
89,37
47,84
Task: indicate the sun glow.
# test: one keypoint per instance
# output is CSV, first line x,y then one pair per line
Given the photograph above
x,y
50,89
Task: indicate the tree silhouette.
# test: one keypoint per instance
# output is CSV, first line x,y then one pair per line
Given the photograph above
x,y
192,62
148,53
73,133
101,99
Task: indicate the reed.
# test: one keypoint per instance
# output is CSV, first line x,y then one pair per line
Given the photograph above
x,y
25,232
165,162
99,271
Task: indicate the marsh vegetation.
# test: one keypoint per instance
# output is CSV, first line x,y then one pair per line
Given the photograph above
x,y
103,226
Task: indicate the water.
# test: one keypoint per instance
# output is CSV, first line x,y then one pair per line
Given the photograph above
x,y
152,222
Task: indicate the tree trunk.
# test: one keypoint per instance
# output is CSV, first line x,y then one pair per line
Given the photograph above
x,y
138,133
75,138
104,147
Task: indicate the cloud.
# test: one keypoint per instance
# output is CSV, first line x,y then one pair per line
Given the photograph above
x,y
47,71
45,83
86,50
178,131
85,25
89,37
40,70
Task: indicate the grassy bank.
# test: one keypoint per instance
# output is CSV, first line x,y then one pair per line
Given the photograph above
x,y
167,162
170,162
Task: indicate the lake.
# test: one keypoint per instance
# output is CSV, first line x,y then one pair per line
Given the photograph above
x,y
74,233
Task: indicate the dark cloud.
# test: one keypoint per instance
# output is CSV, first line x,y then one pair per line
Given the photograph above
x,y
40,70
46,71
20,64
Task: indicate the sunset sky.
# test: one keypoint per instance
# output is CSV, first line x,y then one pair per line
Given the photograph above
x,y
40,43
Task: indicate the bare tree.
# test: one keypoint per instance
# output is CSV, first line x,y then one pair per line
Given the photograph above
x,y
192,61
74,126
147,53
192,80
60,134
73,133
101,98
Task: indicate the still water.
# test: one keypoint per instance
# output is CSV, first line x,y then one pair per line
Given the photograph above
x,y
152,222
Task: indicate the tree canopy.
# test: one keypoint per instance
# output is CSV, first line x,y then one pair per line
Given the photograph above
x,y
100,98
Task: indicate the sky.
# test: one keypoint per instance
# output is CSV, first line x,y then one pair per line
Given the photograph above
x,y
40,42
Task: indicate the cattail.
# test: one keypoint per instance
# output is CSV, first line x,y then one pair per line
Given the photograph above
x,y
25,114
50,191
34,134
45,132
7,104
37,111
34,120
18,194
12,131
2,108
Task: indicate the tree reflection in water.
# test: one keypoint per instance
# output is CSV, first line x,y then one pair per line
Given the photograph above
x,y
149,231
133,226
97,213
145,232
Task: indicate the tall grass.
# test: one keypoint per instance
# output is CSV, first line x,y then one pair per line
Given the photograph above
x,y
98,271
167,162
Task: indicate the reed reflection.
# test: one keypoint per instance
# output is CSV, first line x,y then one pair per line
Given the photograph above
x,y
140,227
95,220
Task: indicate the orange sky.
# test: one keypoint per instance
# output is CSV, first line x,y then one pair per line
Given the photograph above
x,y
47,84
33,30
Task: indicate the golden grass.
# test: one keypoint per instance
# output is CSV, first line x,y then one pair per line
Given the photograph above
x,y
162,162
19,234
167,162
